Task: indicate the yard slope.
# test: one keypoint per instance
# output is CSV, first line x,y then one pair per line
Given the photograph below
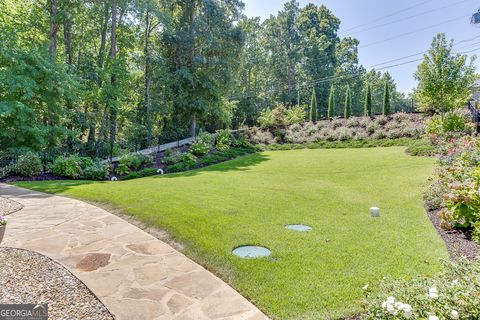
x,y
311,275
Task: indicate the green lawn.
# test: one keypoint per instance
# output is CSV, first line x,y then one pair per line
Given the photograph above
x,y
314,275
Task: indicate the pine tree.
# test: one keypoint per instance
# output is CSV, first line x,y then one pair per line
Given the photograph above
x,y
331,103
368,101
386,100
313,107
348,103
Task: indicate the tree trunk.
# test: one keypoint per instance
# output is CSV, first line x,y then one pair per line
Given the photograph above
x,y
193,127
53,30
113,56
67,33
96,110
148,80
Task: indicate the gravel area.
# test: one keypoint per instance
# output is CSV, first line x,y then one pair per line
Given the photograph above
x,y
458,243
8,206
29,277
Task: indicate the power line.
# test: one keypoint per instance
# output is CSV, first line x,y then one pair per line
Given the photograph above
x,y
412,32
333,78
387,16
337,77
405,18
404,57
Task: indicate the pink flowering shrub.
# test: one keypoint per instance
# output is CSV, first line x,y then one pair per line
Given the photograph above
x,y
458,185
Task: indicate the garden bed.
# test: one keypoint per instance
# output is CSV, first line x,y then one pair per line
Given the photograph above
x,y
459,243
29,277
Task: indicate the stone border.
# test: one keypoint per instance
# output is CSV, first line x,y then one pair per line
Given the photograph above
x,y
17,206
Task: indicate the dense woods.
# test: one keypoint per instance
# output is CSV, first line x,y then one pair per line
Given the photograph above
x,y
95,77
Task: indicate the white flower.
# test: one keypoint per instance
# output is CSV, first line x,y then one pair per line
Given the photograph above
x,y
454,314
114,178
433,293
384,305
399,305
407,311
365,287
160,171
391,309
433,318
390,300
455,282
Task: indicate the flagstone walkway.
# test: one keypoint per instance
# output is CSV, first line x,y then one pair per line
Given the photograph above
x,y
134,274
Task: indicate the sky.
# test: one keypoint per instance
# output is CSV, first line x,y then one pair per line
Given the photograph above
x,y
418,21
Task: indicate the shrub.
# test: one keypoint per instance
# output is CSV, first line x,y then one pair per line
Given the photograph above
x,y
421,148
457,121
206,138
453,122
434,125
133,161
400,117
343,134
337,123
179,167
199,148
381,120
353,122
433,195
280,116
97,171
379,134
241,141
68,167
28,165
172,158
122,169
224,139
146,172
258,136
189,159
371,127
452,294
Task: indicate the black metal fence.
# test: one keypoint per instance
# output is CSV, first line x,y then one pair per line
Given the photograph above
x,y
8,163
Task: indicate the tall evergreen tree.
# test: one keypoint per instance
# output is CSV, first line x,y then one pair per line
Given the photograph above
x,y
386,100
331,103
348,103
368,101
313,107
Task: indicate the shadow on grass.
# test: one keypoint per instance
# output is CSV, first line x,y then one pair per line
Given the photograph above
x,y
49,187
60,186
243,163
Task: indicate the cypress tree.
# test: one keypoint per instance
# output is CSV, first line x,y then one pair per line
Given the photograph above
x,y
313,107
386,100
331,103
348,103
368,101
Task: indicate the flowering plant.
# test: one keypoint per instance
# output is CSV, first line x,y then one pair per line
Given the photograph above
x,y
3,221
453,294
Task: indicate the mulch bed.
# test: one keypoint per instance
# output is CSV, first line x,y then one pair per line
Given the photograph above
x,y
42,177
29,277
459,243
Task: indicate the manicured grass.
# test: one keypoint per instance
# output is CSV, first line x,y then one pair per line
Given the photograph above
x,y
314,275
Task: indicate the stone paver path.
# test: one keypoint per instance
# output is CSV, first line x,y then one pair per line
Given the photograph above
x,y
134,274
